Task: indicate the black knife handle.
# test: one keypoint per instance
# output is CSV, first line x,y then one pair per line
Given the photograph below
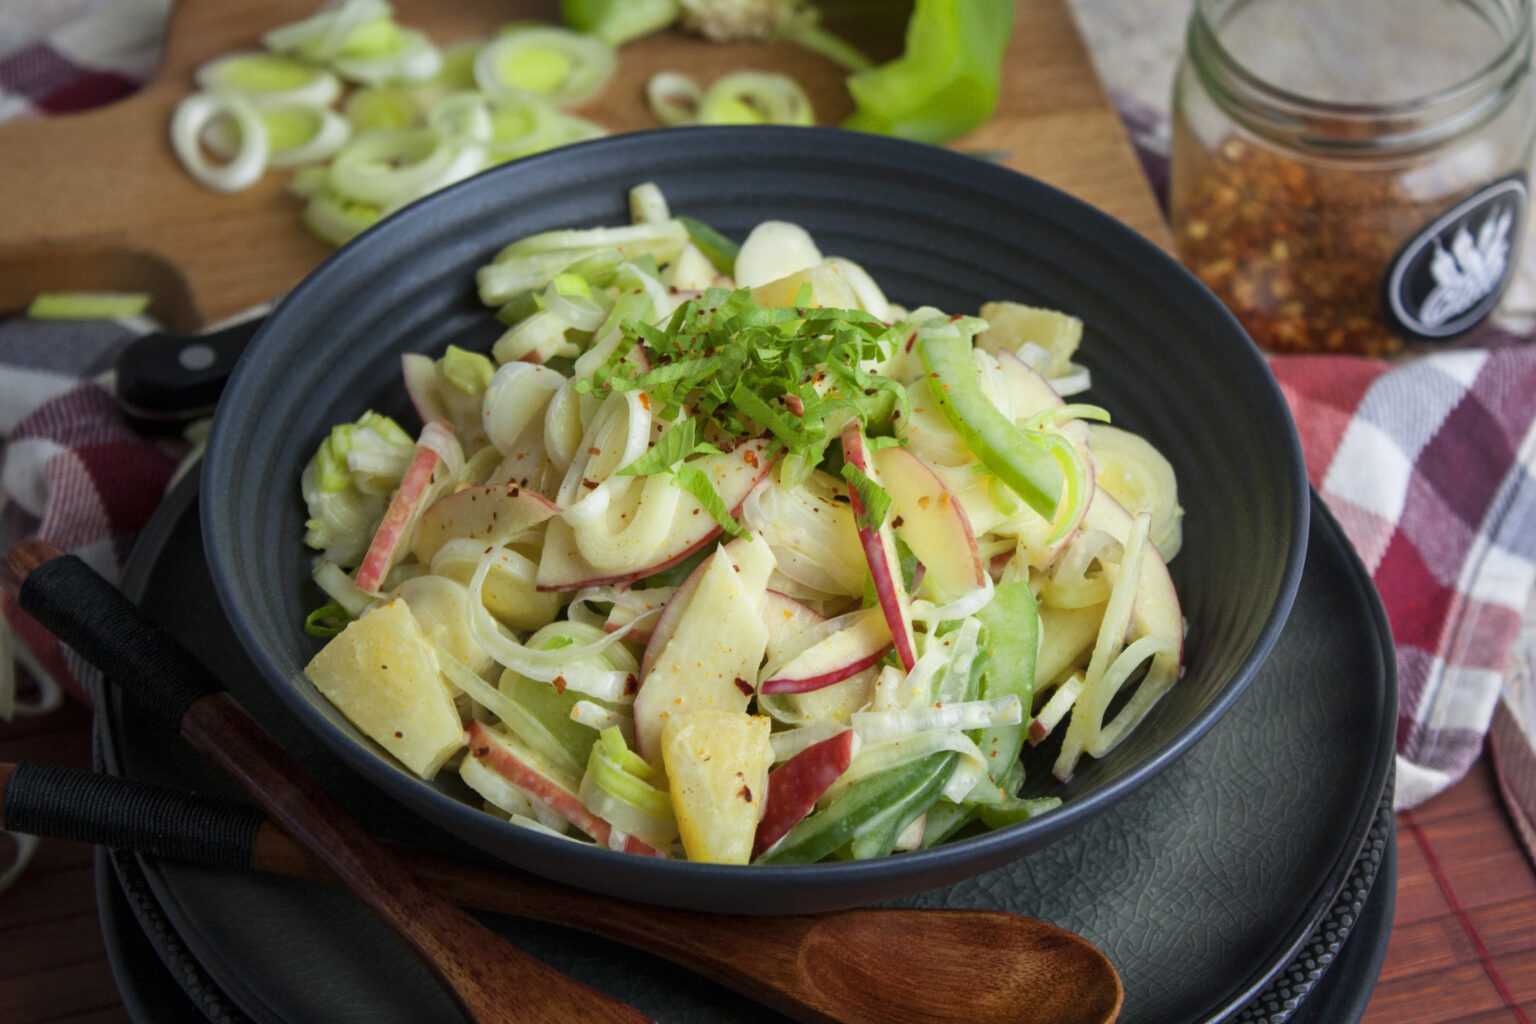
x,y
178,376
70,803
92,616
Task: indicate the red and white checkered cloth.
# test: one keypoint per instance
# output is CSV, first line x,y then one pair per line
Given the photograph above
x,y
1426,462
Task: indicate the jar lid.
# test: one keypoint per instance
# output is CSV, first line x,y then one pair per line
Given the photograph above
x,y
1364,74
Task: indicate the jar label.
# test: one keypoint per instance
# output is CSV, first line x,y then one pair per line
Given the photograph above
x,y
1452,274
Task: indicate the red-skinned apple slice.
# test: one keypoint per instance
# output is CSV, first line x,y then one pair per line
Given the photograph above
x,y
405,507
495,514
734,474
786,619
928,518
796,785
705,651
509,758
862,640
880,552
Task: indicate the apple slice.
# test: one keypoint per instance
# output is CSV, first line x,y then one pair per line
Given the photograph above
x,y
796,785
929,519
514,761
879,546
634,604
495,515
861,640
786,620
734,474
381,673
405,508
704,653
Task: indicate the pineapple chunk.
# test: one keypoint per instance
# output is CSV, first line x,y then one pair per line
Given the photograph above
x,y
717,766
1011,324
381,673
829,289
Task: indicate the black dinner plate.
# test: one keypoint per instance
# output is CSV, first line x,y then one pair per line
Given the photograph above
x,y
1222,890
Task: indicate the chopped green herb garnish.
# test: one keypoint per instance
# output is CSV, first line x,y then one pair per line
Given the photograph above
x,y
871,495
692,479
796,373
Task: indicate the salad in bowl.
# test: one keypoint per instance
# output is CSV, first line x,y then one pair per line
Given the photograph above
x,y
720,554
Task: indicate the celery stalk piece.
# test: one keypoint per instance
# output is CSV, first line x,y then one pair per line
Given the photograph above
x,y
87,305
616,22
720,250
1025,465
873,809
1011,625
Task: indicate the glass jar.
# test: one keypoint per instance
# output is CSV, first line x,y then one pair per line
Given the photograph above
x,y
1351,176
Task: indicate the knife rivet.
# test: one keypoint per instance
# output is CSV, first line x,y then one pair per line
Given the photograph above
x,y
197,357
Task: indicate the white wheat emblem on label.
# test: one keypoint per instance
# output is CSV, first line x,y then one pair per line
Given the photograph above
x,y
1469,271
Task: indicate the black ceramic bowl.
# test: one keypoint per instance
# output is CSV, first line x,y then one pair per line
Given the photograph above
x,y
933,227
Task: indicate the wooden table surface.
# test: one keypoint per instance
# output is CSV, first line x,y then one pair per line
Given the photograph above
x,y
1463,946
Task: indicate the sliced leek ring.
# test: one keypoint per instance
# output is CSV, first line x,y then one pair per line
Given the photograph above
x,y
411,58
1139,477
382,106
390,168
337,219
325,34
465,116
755,97
673,97
297,134
193,116
268,79
567,68
458,71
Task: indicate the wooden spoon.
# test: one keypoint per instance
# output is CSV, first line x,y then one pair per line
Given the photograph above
x,y
487,977
857,965
862,965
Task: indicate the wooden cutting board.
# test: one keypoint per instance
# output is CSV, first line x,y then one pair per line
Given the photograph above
x,y
97,200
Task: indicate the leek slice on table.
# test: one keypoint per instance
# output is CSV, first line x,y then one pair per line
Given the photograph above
x,y
393,167
297,134
755,97
268,79
348,26
194,115
673,97
408,56
337,219
384,106
741,97
567,68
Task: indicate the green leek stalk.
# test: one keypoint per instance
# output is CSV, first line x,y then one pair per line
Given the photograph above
x,y
946,81
616,22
